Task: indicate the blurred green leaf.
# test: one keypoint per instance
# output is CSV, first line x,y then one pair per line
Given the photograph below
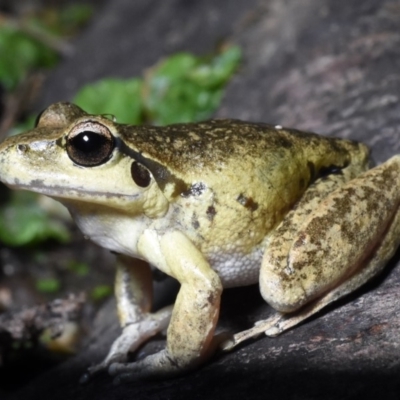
x,y
48,285
73,16
28,44
216,71
19,53
23,221
79,268
181,88
118,97
27,124
100,292
185,88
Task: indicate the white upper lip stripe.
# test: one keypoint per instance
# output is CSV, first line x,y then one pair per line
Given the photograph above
x,y
60,191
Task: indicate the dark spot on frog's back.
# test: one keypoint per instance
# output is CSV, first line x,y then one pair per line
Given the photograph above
x,y
211,299
247,202
195,190
285,143
211,213
301,240
195,221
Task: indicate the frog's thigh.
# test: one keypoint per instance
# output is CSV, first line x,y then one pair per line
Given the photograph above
x,y
275,272
281,321
341,244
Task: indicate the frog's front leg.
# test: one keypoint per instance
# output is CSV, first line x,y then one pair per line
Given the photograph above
x,y
334,248
133,291
190,335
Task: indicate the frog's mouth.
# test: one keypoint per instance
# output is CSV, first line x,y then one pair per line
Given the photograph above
x,y
79,194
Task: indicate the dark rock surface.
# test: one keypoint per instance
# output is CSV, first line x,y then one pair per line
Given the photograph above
x,y
327,66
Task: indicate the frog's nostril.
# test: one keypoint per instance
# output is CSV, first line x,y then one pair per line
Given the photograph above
x,y
22,148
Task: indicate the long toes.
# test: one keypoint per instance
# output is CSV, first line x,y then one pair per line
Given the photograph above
x,y
91,372
116,368
124,378
85,378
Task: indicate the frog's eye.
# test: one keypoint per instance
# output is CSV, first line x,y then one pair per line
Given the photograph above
x,y
90,144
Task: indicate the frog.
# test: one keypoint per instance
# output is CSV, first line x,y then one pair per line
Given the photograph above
x,y
214,205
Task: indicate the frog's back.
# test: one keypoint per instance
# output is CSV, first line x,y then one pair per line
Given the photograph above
x,y
231,182
217,146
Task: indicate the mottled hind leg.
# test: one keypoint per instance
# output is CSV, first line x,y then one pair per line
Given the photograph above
x,y
343,243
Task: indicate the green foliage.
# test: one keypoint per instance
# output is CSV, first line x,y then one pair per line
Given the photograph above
x,y
182,88
100,292
185,88
22,52
23,221
79,268
48,285
74,16
19,54
117,97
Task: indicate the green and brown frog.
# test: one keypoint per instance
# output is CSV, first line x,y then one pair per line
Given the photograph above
x,y
214,204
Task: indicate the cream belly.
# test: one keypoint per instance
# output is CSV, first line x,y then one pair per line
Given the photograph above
x,y
235,268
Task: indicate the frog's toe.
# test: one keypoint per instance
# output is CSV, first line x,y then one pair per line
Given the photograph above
x,y
156,365
93,371
129,372
119,368
124,372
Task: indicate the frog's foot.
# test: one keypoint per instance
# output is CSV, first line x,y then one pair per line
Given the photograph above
x,y
163,364
259,328
157,365
133,335
281,322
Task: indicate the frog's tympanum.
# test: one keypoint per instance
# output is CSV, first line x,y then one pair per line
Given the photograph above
x,y
215,205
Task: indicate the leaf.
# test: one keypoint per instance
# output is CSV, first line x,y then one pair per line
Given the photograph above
x,y
185,88
79,268
181,88
19,53
48,285
216,71
73,16
23,221
118,97
100,292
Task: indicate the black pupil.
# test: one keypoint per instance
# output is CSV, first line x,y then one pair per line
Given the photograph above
x,y
90,148
88,142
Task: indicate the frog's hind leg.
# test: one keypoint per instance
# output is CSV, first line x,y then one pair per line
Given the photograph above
x,y
281,322
315,259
